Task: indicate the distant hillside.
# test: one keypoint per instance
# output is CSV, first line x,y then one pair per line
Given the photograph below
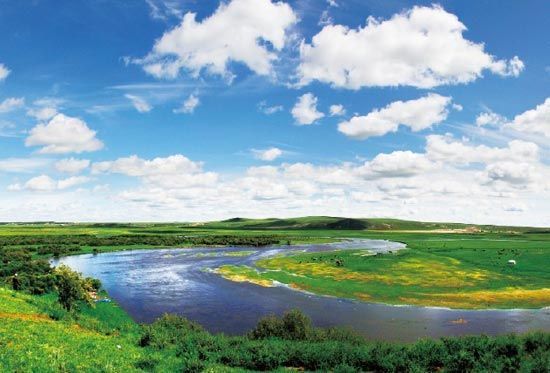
x,y
340,223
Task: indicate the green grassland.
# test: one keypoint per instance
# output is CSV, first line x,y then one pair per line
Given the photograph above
x,y
448,270
36,334
445,264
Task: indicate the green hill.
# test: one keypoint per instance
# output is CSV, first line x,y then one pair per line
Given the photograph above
x,y
342,223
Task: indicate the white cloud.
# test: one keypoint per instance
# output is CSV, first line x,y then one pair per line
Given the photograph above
x,y
139,103
305,110
511,172
38,183
22,165
63,134
189,105
45,108
135,166
402,184
417,114
11,103
72,181
72,165
337,110
447,149
44,183
514,67
489,117
423,47
4,72
396,164
237,31
43,113
176,171
331,174
535,121
267,154
269,110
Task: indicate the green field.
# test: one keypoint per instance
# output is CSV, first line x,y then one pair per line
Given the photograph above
x,y
448,270
445,264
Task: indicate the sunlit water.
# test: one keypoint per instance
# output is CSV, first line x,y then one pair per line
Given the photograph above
x,y
149,283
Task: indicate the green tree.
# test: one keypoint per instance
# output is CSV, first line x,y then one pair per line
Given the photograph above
x,y
72,288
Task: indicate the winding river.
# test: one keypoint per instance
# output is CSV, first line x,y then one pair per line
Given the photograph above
x,y
149,283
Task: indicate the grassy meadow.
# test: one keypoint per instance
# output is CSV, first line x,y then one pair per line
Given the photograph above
x,y
453,270
451,265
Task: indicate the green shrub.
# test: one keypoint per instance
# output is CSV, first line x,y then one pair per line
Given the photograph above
x,y
168,331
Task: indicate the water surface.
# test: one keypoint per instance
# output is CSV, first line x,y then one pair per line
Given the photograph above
x,y
149,283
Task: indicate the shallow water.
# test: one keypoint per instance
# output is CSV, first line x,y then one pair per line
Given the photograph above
x,y
149,283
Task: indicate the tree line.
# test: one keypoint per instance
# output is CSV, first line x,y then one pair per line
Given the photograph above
x,y
46,241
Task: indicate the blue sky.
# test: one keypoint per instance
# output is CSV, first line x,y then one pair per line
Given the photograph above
x,y
140,110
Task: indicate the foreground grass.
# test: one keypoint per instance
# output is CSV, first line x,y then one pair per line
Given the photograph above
x,y
37,336
31,340
446,270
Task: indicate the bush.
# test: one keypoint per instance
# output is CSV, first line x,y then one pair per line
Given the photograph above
x,y
294,325
268,327
292,342
168,331
72,288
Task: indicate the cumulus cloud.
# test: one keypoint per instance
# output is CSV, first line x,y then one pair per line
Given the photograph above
x,y
392,184
189,105
11,104
176,171
139,103
238,31
63,134
4,72
337,110
447,149
396,164
267,154
135,166
72,165
44,183
422,47
489,117
416,114
511,172
535,121
305,110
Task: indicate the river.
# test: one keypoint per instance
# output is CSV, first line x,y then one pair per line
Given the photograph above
x,y
149,283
